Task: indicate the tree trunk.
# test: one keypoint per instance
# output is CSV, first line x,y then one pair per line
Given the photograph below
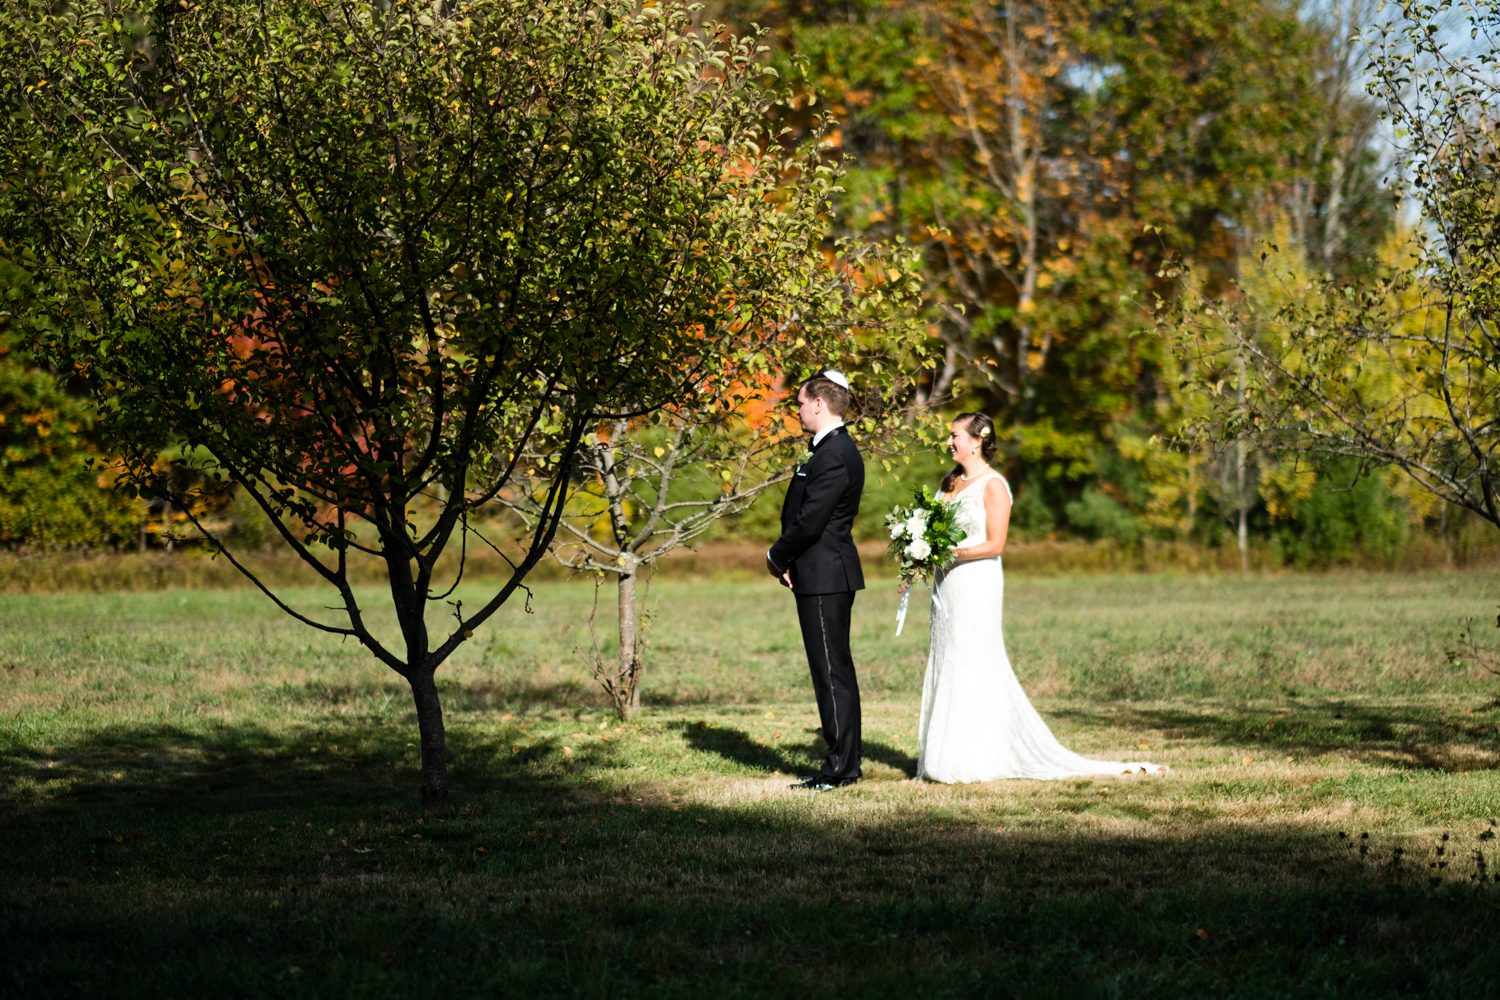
x,y
1244,501
1244,510
628,673
433,738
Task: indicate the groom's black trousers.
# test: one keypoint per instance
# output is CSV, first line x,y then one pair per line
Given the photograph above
x,y
825,633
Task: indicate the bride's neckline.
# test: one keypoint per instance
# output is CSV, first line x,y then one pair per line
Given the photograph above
x,y
969,484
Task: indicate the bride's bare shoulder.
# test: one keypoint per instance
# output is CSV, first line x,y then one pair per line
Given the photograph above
x,y
997,487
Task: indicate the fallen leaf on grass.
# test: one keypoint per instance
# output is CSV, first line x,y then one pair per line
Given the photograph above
x,y
1248,760
1202,934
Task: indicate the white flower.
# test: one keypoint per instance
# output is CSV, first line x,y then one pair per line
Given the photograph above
x,y
919,549
897,530
916,525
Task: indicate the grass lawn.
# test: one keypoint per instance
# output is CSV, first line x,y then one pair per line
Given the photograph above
x,y
202,798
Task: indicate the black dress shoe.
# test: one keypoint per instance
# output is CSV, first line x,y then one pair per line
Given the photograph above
x,y
818,783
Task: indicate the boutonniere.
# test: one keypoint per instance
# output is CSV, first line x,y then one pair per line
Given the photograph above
x,y
804,458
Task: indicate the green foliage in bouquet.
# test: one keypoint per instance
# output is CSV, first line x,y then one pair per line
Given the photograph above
x,y
924,535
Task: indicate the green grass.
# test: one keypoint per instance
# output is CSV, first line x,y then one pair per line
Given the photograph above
x,y
201,797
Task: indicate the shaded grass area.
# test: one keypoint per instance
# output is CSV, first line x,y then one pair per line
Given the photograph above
x,y
200,797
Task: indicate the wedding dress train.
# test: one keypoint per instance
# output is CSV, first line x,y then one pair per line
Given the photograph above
x,y
977,723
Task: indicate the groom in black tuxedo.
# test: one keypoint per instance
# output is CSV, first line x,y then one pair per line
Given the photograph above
x,y
816,559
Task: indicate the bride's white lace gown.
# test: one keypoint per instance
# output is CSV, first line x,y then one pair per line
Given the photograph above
x,y
977,723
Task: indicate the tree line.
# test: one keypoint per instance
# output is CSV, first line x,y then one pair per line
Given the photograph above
x,y
1050,163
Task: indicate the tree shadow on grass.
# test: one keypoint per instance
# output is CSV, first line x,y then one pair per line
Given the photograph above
x,y
518,695
456,696
1389,735
240,858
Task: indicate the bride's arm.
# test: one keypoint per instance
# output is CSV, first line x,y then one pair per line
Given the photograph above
x,y
996,524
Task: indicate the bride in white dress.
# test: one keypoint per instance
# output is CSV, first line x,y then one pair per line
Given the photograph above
x,y
977,723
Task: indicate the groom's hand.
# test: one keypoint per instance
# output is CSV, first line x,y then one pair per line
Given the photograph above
x,y
784,575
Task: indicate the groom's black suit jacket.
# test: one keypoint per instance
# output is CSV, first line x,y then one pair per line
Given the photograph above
x,y
817,520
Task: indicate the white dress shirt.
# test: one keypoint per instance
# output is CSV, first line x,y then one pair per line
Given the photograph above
x,y
825,432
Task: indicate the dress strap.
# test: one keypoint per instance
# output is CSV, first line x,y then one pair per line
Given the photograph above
x,y
984,481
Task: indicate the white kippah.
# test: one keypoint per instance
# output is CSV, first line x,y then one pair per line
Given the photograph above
x,y
837,378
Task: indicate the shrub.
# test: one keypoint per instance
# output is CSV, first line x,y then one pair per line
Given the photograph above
x,y
1099,516
1336,514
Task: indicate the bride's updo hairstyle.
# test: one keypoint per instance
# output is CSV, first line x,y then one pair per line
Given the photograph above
x,y
976,425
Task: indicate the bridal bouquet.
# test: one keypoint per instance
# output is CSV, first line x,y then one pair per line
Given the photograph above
x,y
923,537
